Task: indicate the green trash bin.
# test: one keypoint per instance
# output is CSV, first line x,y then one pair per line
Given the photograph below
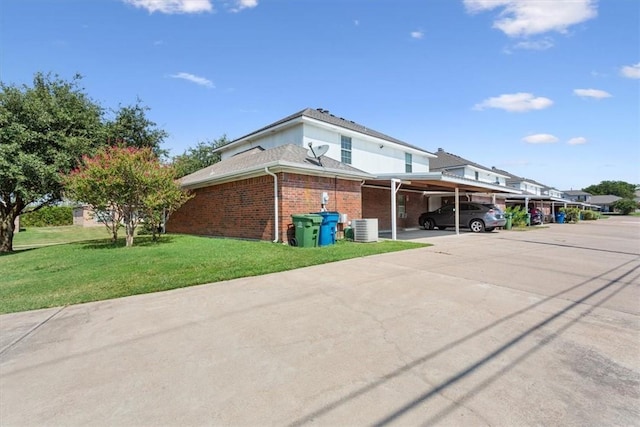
x,y
307,229
509,223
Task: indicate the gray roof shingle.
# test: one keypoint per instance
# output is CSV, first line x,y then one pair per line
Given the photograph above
x,y
325,116
259,158
445,160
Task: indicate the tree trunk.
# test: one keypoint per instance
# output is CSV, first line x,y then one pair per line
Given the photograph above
x,y
130,227
6,233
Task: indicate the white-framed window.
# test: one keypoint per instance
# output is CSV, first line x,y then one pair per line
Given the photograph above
x,y
345,145
408,162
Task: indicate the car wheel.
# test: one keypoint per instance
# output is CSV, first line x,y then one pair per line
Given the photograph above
x,y
429,224
477,226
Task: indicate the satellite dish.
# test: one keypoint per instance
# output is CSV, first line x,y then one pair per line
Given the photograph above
x,y
317,151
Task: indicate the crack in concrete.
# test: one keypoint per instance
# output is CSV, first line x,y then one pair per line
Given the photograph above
x,y
29,332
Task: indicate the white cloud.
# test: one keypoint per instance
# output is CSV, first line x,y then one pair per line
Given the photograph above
x,y
519,18
540,138
631,71
577,141
194,79
516,102
244,4
592,93
542,44
417,34
173,6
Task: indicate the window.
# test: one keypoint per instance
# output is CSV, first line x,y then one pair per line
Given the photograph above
x,y
477,176
345,143
408,160
401,204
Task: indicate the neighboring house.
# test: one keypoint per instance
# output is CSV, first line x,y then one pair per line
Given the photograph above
x,y
84,216
525,185
605,203
552,192
455,165
577,196
267,175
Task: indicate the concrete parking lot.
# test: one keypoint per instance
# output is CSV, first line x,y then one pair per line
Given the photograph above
x,y
506,328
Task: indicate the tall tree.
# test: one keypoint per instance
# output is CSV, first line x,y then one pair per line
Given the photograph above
x,y
126,185
198,157
45,129
132,128
616,188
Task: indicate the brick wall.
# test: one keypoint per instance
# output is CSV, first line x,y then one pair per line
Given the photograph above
x,y
244,208
376,203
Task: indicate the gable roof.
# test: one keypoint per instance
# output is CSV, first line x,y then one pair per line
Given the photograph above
x,y
325,116
576,193
445,161
604,200
283,157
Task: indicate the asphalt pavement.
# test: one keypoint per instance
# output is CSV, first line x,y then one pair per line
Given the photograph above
x,y
537,327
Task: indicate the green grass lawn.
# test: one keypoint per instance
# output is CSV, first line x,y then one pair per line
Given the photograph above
x,y
51,273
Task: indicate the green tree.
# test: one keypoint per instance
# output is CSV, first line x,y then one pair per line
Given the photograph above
x,y
625,206
616,188
126,185
132,128
198,157
45,129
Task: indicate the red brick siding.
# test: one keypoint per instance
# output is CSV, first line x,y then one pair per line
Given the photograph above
x,y
244,208
376,203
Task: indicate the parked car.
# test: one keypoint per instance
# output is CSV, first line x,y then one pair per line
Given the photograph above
x,y
473,215
537,216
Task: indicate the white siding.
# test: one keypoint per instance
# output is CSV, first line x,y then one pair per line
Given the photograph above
x,y
369,154
292,135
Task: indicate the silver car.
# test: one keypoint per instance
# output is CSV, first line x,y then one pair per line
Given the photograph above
x,y
476,216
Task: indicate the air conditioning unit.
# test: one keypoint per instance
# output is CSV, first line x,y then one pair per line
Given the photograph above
x,y
365,230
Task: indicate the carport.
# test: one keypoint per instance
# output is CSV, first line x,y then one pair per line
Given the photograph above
x,y
434,183
552,202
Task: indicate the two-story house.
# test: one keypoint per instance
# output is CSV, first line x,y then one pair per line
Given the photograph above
x,y
310,161
455,165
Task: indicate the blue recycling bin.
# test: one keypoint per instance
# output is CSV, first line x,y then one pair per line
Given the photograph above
x,y
328,227
560,217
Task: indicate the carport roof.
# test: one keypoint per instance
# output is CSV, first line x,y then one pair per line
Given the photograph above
x,y
439,182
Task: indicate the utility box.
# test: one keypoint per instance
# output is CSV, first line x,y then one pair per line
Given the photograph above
x,y
365,230
307,228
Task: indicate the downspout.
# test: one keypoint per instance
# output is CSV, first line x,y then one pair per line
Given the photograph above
x,y
275,204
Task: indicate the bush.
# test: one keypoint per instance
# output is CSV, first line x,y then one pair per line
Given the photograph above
x,y
518,215
50,216
625,206
571,214
590,215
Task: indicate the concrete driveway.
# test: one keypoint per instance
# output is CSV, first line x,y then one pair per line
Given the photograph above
x,y
505,328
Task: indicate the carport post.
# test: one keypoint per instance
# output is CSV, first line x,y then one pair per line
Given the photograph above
x,y
394,191
457,215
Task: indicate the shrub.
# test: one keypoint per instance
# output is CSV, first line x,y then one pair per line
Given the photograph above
x,y
590,215
518,215
571,214
50,216
625,206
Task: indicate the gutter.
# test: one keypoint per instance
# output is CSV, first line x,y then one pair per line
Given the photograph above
x,y
275,204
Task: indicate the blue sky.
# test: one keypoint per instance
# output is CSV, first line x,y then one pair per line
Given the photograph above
x,y
546,89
